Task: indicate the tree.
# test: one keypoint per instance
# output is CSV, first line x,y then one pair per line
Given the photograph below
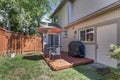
x,y
26,14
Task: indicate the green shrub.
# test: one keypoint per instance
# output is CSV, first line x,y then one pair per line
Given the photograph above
x,y
115,53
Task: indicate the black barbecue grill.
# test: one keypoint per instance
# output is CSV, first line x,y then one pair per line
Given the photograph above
x,y
76,49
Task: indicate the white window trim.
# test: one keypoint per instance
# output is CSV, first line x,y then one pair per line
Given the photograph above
x,y
86,35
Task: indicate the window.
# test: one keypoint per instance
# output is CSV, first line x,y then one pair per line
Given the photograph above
x,y
54,40
65,34
87,35
82,35
55,19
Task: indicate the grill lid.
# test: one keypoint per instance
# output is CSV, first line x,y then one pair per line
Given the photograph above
x,y
76,48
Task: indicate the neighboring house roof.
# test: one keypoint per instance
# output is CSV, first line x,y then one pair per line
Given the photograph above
x,y
58,7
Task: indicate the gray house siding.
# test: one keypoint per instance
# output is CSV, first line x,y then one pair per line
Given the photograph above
x,y
82,8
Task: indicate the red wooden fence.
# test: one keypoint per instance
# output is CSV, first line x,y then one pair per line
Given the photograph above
x,y
18,42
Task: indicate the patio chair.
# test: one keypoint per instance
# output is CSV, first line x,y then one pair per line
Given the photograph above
x,y
54,52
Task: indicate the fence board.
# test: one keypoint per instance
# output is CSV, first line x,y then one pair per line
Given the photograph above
x,y
18,42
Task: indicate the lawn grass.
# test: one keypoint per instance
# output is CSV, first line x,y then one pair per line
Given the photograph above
x,y
35,68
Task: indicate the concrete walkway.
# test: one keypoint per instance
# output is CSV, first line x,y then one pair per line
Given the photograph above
x,y
100,67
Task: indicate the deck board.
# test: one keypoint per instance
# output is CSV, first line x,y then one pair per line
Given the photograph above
x,y
65,61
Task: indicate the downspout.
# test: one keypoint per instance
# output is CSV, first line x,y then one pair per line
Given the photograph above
x,y
70,10
96,44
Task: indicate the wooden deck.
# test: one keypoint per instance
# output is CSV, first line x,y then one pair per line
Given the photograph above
x,y
65,61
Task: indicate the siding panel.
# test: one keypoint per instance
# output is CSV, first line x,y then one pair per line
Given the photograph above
x,y
81,10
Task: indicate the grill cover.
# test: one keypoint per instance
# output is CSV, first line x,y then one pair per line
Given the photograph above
x,y
76,48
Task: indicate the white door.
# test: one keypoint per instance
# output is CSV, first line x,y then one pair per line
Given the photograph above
x,y
54,40
106,35
50,40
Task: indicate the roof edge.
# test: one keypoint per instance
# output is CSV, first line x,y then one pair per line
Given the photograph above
x,y
96,13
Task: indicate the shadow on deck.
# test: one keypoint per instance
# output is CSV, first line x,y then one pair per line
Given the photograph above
x,y
65,61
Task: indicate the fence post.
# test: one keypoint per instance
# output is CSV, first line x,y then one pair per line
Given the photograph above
x,y
21,42
4,41
35,42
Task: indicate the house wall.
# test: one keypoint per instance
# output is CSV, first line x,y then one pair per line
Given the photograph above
x,y
63,21
90,51
103,19
81,10
118,32
118,36
63,15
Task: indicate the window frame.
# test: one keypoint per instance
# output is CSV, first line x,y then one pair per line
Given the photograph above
x,y
55,19
65,33
86,34
53,40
